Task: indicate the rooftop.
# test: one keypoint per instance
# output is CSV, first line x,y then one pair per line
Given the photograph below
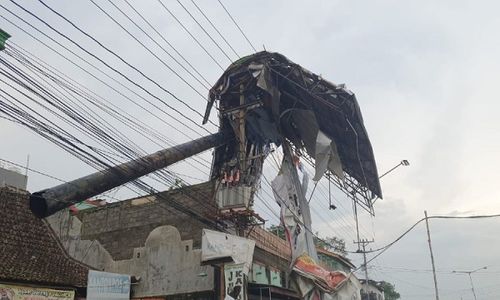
x,y
29,250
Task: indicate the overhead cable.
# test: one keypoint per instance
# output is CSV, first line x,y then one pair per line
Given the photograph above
x,y
239,28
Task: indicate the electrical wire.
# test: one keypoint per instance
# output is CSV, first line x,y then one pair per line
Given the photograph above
x,y
148,49
238,26
181,210
384,248
95,77
204,30
167,42
215,28
190,34
112,68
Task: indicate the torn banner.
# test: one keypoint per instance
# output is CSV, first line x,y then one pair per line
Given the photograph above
x,y
221,247
327,157
314,282
295,214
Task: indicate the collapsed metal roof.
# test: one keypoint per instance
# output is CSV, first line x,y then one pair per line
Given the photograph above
x,y
282,100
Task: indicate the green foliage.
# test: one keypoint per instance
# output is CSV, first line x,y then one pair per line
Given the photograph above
x,y
333,244
389,291
277,230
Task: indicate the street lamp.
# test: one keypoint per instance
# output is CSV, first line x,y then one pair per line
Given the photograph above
x,y
404,162
470,278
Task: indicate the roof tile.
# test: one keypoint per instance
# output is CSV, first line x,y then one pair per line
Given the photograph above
x,y
29,250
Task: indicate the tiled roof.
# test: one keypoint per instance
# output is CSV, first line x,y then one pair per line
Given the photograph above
x,y
29,250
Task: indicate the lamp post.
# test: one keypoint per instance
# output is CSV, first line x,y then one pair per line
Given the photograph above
x,y
404,162
470,278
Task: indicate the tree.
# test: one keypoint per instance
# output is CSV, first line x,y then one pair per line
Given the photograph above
x,y
333,244
277,230
389,291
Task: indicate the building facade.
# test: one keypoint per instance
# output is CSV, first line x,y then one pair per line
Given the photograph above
x,y
146,238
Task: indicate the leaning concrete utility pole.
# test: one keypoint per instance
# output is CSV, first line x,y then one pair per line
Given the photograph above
x,y
47,202
432,255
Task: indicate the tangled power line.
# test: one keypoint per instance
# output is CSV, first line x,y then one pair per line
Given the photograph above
x,y
44,86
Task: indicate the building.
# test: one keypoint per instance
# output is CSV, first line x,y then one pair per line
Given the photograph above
x,y
32,261
148,238
333,261
13,178
372,291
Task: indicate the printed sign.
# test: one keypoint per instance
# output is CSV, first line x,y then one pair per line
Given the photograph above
x,y
108,286
234,278
17,292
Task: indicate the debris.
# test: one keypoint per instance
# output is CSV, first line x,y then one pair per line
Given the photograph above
x,y
266,99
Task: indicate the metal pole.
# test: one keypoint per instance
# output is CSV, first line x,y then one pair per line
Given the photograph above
x,y
366,268
402,163
47,202
432,255
472,285
357,223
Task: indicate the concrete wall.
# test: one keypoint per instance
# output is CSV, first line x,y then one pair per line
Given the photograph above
x,y
122,226
165,264
13,179
91,252
146,237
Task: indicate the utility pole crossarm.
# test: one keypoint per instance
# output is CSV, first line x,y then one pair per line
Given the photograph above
x,y
470,278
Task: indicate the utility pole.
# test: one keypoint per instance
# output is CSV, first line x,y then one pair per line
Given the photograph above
x,y
472,286
470,278
362,244
432,255
240,231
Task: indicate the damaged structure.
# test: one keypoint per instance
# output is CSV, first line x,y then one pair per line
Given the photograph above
x,y
266,99
263,101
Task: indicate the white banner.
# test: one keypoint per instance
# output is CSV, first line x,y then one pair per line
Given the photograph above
x,y
218,245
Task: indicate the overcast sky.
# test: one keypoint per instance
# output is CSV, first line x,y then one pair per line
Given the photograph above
x,y
426,77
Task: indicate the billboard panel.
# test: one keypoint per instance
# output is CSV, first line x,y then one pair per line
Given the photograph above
x,y
17,292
